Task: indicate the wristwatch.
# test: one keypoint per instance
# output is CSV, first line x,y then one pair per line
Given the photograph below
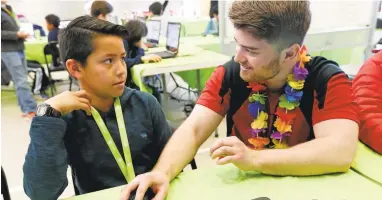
x,y
47,110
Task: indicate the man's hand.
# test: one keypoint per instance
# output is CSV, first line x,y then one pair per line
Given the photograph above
x,y
68,101
158,181
149,58
22,35
232,150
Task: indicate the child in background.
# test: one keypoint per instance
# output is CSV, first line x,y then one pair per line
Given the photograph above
x,y
52,24
136,55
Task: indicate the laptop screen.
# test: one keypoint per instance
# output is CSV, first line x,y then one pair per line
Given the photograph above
x,y
153,31
64,24
173,33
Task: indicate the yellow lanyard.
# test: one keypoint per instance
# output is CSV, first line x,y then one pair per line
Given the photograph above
x,y
126,168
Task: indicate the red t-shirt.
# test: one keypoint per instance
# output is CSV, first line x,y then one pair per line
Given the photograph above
x,y
338,105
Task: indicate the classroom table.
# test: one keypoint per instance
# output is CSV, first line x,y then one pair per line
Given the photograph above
x,y
194,40
34,50
368,163
191,58
230,183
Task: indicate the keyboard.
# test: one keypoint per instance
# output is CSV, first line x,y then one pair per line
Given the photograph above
x,y
164,54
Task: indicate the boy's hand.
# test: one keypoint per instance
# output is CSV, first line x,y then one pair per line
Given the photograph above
x,y
158,181
68,101
149,58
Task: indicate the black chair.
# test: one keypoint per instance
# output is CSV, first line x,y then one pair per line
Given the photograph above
x,y
173,129
4,186
51,49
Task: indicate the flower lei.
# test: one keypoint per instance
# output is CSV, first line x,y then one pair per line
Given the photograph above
x,y
285,112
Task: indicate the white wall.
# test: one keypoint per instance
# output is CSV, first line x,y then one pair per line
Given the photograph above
x,y
36,10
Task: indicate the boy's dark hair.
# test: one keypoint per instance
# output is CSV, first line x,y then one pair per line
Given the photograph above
x,y
156,8
281,24
53,19
214,10
137,30
101,8
76,40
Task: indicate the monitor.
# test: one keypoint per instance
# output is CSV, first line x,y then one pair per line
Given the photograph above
x,y
173,35
153,31
64,24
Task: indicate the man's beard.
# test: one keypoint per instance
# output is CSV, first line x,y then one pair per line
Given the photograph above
x,y
270,71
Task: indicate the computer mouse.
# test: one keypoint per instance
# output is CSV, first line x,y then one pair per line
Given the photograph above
x,y
151,61
148,195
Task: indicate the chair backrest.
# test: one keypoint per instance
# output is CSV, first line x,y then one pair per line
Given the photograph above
x,y
173,129
52,50
4,186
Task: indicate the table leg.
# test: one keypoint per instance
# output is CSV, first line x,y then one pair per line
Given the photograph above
x,y
165,100
198,81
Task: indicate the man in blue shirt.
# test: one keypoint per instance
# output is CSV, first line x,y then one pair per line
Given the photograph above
x,y
52,24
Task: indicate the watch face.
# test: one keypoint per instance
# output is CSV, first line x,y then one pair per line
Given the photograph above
x,y
41,110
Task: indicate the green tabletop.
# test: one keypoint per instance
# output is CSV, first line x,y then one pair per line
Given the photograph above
x,y
34,50
229,183
368,163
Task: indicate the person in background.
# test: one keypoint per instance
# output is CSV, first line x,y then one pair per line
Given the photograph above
x,y
136,55
213,25
367,90
52,24
101,9
67,132
281,106
13,56
155,10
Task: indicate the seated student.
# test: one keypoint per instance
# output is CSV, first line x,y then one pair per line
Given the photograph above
x,y
213,26
101,9
67,130
367,90
282,107
52,24
136,55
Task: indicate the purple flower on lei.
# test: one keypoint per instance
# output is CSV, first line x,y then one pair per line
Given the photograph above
x,y
256,132
278,135
299,72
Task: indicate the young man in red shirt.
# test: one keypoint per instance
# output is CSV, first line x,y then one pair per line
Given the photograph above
x,y
275,97
367,90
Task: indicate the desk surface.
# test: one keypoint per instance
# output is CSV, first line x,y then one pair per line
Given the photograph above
x,y
193,40
228,182
368,163
199,60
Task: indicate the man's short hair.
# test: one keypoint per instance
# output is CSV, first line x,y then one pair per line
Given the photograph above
x,y
53,19
76,40
281,23
156,8
137,30
101,7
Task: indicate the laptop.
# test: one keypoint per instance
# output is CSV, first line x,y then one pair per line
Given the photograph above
x,y
64,24
172,41
153,31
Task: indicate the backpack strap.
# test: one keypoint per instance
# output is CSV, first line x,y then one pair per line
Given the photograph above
x,y
238,87
321,71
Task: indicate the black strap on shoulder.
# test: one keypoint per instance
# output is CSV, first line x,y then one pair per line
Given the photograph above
x,y
239,91
320,71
